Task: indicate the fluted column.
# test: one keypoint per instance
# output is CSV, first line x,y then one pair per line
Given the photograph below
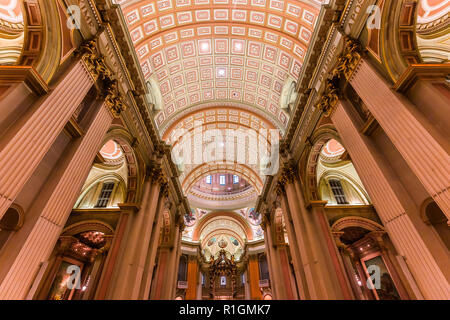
x,y
409,131
281,255
324,232
404,235
320,278
279,265
131,272
121,234
169,292
253,277
135,270
69,179
328,287
167,270
25,144
274,273
300,276
153,248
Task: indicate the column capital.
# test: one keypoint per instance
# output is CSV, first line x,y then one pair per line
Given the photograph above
x,y
288,173
266,221
348,60
113,98
329,98
155,173
105,83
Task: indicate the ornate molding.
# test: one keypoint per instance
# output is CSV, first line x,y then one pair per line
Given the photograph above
x,y
347,64
329,98
106,85
348,60
288,173
113,99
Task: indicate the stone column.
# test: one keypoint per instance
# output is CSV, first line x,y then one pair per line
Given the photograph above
x,y
279,263
246,286
320,277
335,263
175,263
131,273
157,287
375,175
25,144
253,272
153,247
275,283
192,278
66,183
377,236
282,256
297,263
199,286
121,234
167,271
425,151
348,266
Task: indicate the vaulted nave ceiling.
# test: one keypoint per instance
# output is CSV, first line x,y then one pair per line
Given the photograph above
x,y
220,64
220,53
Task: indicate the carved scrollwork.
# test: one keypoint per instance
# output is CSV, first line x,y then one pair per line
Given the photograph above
x,y
329,99
106,85
348,60
113,98
288,174
88,53
279,188
347,63
265,219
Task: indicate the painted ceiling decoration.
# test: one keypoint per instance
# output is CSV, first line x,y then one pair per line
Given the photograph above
x,y
433,23
111,151
244,224
11,31
239,52
221,66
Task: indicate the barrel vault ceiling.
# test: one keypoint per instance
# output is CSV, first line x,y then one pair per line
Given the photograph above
x,y
223,62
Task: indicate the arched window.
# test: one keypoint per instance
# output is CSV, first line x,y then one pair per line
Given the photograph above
x,y
336,177
105,195
338,191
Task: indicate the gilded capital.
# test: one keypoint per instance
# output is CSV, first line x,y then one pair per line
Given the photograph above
x,y
113,98
288,174
329,98
348,60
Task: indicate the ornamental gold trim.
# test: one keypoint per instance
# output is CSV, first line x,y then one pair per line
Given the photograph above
x,y
348,60
329,99
105,83
347,64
